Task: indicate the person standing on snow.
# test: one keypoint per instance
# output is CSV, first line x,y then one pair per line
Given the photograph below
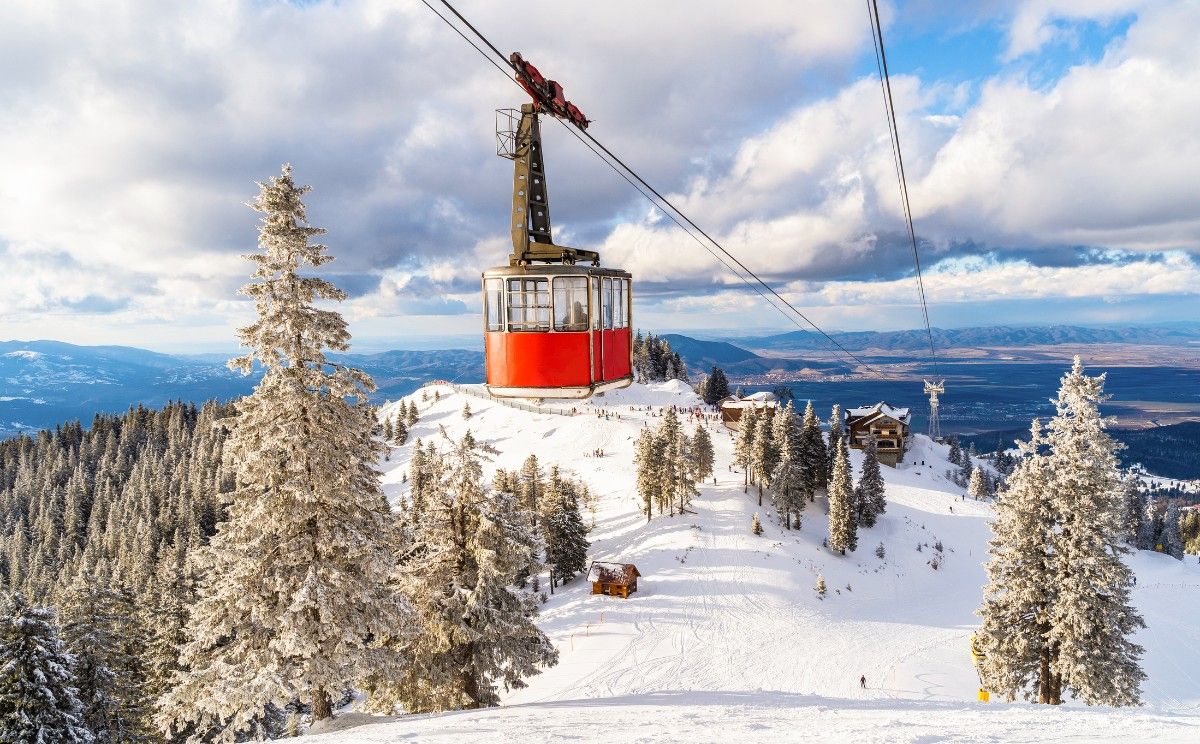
x,y
862,681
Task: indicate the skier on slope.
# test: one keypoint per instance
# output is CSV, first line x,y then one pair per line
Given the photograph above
x,y
862,681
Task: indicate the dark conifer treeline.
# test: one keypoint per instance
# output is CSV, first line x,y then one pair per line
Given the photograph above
x,y
98,523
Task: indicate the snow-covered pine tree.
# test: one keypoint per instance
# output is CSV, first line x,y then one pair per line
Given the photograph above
x,y
100,627
417,479
835,437
563,529
765,453
977,488
955,455
476,627
531,485
388,431
1134,508
1091,617
788,479
1152,525
677,485
1021,584
966,470
756,527
820,587
412,415
400,432
648,457
812,453
842,533
39,703
700,452
466,411
1172,538
743,445
163,612
293,587
869,495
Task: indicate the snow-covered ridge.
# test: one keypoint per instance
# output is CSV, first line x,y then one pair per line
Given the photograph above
x,y
726,633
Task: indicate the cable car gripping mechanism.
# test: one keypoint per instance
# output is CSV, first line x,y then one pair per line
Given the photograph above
x,y
519,138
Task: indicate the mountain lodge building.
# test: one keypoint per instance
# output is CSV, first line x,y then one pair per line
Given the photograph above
x,y
889,425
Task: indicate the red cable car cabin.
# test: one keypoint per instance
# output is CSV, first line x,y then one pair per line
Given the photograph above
x,y
557,331
553,328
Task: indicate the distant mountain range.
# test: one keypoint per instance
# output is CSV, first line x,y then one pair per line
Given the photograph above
x,y
44,383
1179,334
701,356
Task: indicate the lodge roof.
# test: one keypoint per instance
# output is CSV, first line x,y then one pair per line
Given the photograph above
x,y
756,400
621,574
881,408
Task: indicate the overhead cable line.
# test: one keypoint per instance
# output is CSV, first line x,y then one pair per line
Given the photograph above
x,y
634,179
885,85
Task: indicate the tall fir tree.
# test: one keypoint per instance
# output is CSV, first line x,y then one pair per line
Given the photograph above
x,y
38,700
764,453
977,487
716,386
564,531
1134,508
787,481
835,439
1152,524
293,586
1057,617
955,455
648,459
743,446
870,494
531,485
476,628
812,453
843,535
1172,537
700,454
100,626
1014,637
1092,618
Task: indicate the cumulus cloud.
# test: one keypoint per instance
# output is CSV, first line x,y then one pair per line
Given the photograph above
x,y
133,132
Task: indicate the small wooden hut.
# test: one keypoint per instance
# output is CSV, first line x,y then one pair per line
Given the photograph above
x,y
613,579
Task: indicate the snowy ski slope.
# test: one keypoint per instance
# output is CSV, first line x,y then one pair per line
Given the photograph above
x,y
727,635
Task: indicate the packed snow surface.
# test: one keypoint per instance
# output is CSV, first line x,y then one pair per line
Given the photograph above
x,y
726,634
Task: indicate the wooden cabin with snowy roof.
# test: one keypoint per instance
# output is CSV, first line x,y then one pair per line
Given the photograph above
x,y
888,424
613,579
733,406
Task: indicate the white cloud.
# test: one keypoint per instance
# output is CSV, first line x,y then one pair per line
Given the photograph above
x,y
132,133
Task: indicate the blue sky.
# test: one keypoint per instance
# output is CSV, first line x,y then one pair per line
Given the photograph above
x,y
1051,149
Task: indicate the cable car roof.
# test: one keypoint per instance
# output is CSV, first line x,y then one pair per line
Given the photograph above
x,y
553,270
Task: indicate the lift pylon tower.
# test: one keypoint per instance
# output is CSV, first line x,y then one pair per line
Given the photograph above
x,y
933,389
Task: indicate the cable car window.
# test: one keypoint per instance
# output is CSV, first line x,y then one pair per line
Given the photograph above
x,y
595,303
529,304
606,300
620,317
570,303
493,300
